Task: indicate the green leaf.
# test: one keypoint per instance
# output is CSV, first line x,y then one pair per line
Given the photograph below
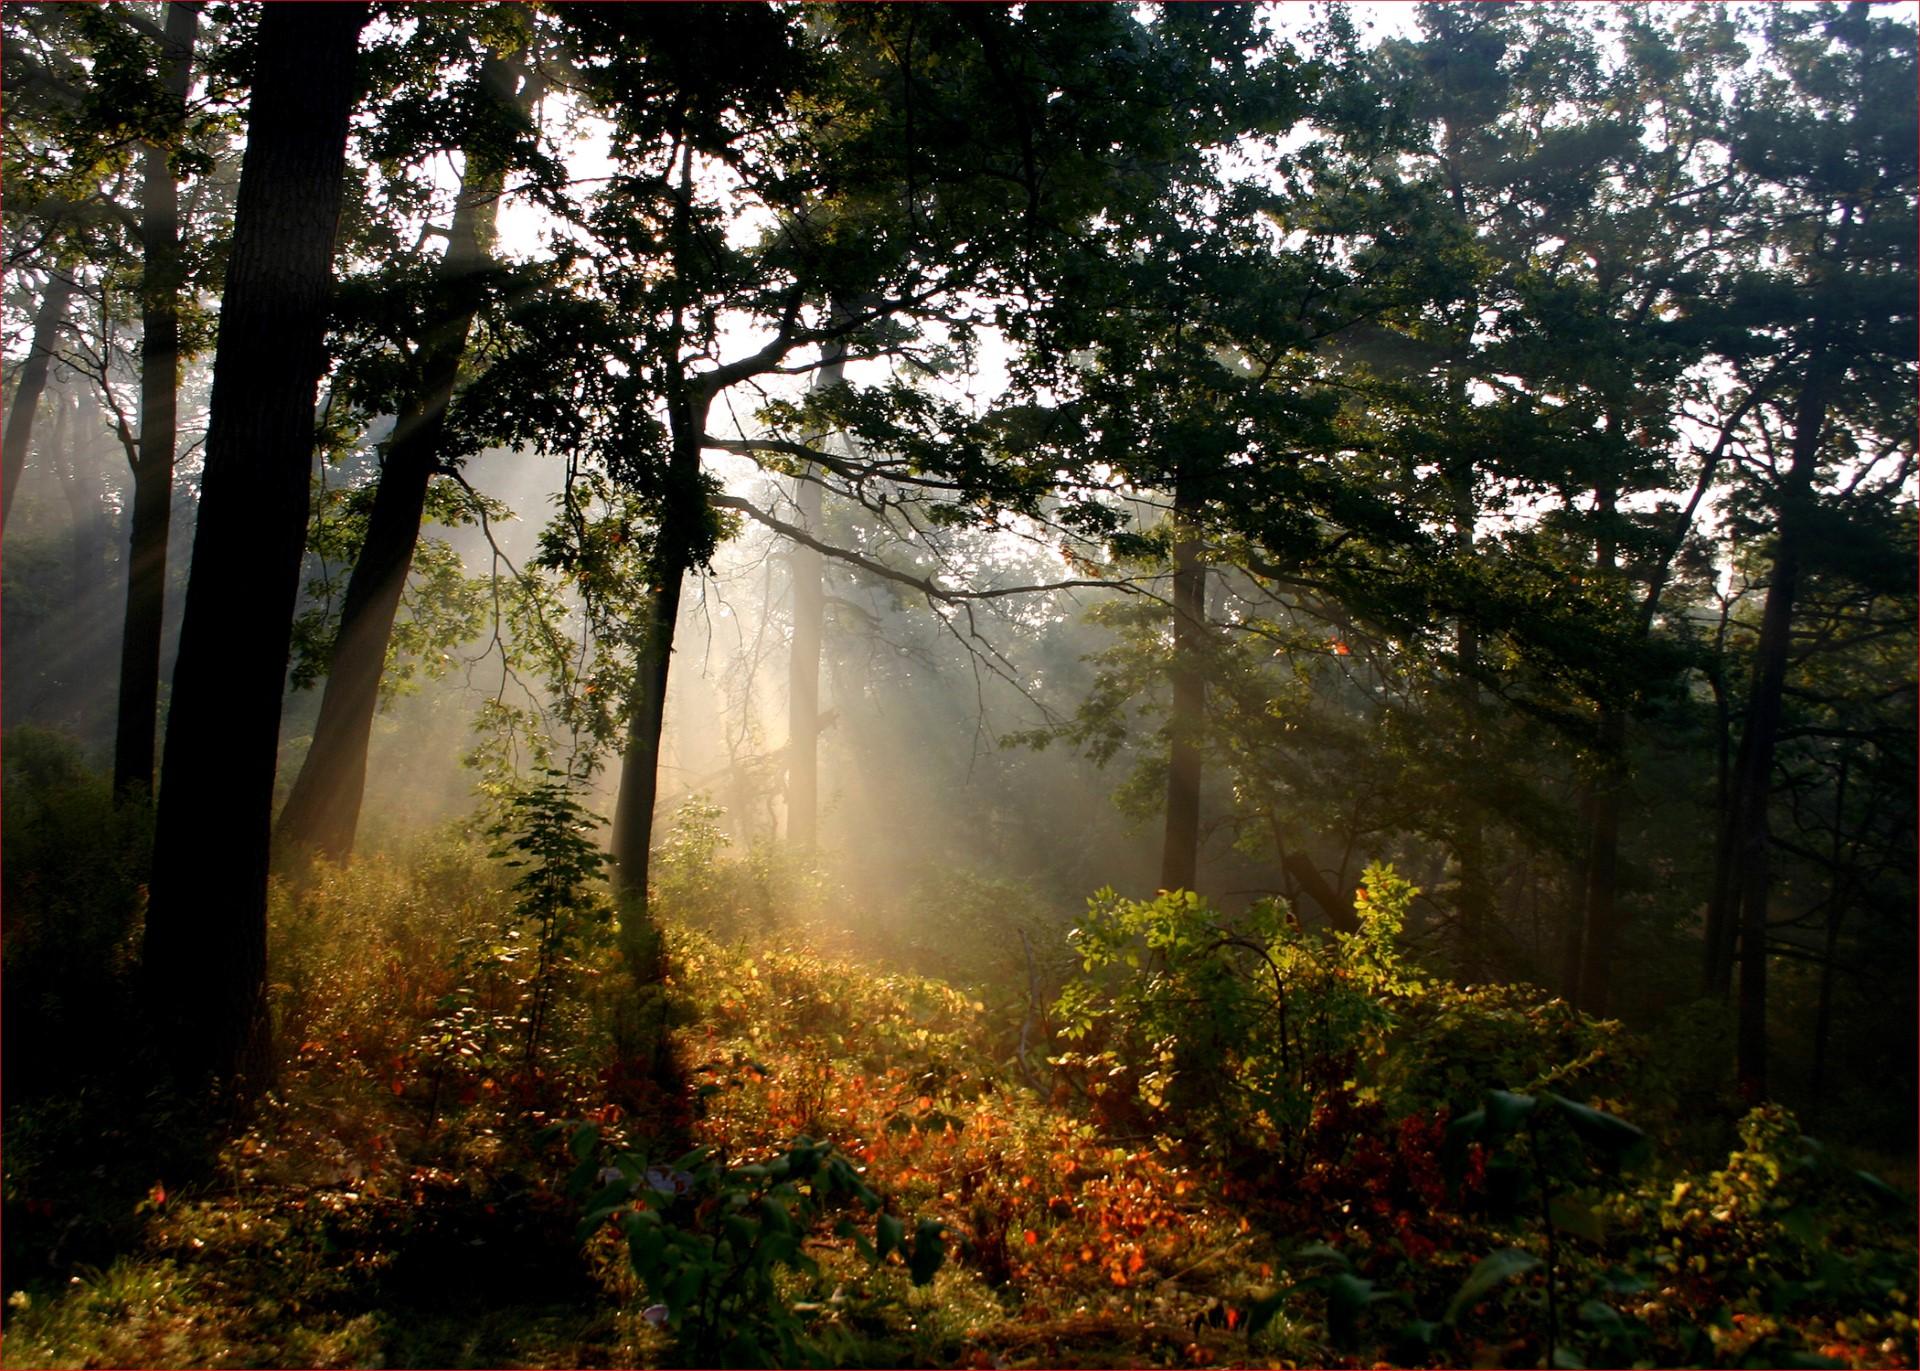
x,y
1603,1316
889,1235
1260,1313
1347,1299
1505,1112
1614,1138
1319,1251
584,1138
929,1251
1879,1189
1487,1276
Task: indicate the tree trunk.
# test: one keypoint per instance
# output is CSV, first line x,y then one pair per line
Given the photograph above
x,y
206,932
26,392
322,812
1599,913
1473,904
682,511
1180,852
1748,833
1721,936
803,663
1837,899
161,278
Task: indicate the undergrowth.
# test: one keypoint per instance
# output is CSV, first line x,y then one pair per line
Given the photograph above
x,y
1225,1142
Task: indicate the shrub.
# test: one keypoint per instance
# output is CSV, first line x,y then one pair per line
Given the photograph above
x,y
1239,1028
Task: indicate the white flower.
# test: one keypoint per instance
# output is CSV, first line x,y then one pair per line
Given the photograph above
x,y
655,1314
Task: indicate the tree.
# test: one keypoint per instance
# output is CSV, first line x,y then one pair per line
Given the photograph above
x,y
163,274
206,924
496,103
1827,133
47,323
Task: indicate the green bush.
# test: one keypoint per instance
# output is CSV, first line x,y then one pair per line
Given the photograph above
x,y
1238,1027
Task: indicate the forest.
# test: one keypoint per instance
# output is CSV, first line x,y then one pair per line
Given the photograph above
x,y
965,685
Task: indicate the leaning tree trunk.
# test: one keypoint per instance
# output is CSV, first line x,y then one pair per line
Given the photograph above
x,y
26,392
322,812
206,932
803,663
1180,850
161,279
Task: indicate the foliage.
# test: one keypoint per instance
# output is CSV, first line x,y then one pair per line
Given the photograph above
x,y
547,837
708,1240
1238,1027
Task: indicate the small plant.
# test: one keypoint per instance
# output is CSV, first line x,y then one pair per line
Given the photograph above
x,y
548,835
708,1240
1563,1140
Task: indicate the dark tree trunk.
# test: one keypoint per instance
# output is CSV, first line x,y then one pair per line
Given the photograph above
x,y
803,663
322,812
1180,852
1721,934
1837,900
1748,834
1338,908
1473,903
161,274
1599,898
206,933
1600,903
18,436
682,512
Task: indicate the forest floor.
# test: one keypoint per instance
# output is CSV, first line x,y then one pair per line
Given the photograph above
x,y
402,1198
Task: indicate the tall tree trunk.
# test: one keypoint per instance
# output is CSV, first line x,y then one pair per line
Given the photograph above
x,y
803,662
18,435
1598,905
206,933
1837,899
1180,851
1473,902
161,279
1748,833
322,812
1721,935
682,511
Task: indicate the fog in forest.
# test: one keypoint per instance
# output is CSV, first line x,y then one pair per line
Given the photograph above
x,y
976,685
